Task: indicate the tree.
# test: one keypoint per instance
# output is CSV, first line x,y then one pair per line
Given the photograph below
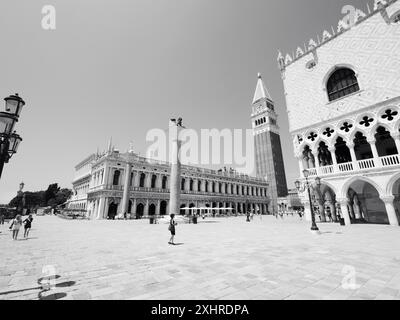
x,y
51,192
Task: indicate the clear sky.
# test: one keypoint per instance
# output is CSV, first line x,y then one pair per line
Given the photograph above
x,y
122,67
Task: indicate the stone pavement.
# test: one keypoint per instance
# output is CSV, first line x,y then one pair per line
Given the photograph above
x,y
225,258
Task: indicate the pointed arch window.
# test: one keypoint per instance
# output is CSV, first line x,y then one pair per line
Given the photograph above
x,y
341,83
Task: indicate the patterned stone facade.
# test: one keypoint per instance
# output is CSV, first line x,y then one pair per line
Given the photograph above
x,y
352,142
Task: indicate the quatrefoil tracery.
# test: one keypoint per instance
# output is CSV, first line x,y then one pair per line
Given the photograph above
x,y
346,126
312,136
328,132
366,121
390,114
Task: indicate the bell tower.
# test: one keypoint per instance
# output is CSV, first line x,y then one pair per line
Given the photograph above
x,y
267,144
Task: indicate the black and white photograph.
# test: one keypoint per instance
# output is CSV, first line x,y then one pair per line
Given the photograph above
x,y
200,155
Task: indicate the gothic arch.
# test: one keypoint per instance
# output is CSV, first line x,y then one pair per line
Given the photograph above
x,y
348,183
390,185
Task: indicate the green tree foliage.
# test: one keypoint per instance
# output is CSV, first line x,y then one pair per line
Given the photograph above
x,y
53,197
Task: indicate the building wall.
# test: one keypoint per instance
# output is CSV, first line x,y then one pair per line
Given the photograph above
x,y
371,48
230,189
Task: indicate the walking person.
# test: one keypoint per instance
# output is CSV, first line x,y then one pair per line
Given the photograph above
x,y
171,228
27,226
15,226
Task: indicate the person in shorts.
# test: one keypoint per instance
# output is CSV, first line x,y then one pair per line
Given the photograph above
x,y
171,228
27,226
15,226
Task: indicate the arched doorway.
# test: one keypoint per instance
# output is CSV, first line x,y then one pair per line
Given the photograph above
x,y
112,210
365,205
130,206
152,209
385,144
342,152
164,182
362,148
163,208
139,210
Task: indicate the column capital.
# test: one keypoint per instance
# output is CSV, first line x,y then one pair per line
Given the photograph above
x,y
396,136
342,201
387,199
350,145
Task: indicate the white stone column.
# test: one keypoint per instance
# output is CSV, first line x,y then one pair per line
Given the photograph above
x,y
158,207
375,154
391,212
146,208
316,161
344,211
203,186
100,211
332,150
175,178
125,196
353,155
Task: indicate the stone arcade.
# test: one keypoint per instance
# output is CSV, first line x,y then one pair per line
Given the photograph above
x,y
111,183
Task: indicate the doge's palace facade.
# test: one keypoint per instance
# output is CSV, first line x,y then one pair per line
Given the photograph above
x,y
343,102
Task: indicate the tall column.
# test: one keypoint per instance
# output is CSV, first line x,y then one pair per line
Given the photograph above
x,y
353,155
374,152
344,211
175,178
333,211
332,150
391,212
100,212
316,161
146,208
125,195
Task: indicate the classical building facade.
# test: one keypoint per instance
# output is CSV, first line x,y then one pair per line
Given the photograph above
x,y
106,184
267,144
343,102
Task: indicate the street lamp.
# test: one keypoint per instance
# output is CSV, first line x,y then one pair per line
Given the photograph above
x,y
9,139
302,188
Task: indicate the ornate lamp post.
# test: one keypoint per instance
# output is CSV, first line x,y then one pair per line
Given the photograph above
x,y
9,139
301,188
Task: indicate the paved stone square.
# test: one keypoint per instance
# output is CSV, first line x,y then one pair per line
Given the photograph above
x,y
221,258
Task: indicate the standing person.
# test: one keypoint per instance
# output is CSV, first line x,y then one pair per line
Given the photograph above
x,y
15,225
248,216
1,217
252,215
171,228
27,226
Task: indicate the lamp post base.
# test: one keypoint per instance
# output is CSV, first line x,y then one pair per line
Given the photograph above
x,y
315,231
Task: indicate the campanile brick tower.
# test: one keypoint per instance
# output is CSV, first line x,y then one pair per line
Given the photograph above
x,y
267,142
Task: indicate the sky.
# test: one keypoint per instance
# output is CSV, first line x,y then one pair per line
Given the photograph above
x,y
119,68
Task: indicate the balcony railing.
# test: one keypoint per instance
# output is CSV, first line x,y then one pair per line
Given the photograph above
x,y
360,165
